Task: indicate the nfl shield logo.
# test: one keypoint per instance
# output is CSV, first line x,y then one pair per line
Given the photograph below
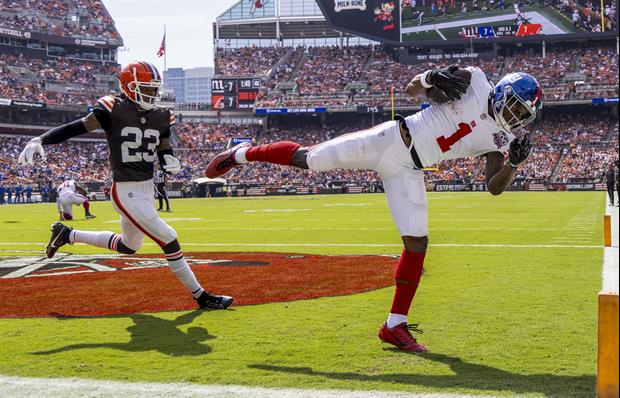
x,y
500,139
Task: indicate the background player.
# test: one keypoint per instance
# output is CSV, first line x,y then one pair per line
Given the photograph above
x,y
69,194
473,119
160,190
137,132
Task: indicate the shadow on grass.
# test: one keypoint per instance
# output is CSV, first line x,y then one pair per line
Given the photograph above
x,y
150,333
467,376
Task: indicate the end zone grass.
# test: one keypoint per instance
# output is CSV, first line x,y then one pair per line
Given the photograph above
x,y
498,320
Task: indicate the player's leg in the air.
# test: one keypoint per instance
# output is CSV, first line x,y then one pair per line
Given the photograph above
x,y
133,201
383,149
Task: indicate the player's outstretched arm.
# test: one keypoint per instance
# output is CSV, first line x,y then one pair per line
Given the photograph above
x,y
57,135
440,85
415,88
499,174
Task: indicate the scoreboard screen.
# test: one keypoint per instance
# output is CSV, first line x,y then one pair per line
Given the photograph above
x,y
234,93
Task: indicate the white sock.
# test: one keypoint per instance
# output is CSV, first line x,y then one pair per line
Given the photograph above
x,y
396,319
185,274
240,155
99,238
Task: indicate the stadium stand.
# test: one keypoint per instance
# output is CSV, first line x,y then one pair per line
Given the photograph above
x,y
365,75
565,150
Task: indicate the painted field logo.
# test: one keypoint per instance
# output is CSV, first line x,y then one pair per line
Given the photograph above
x,y
94,285
67,264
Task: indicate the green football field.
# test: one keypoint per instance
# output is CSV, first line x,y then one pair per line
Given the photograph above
x,y
507,302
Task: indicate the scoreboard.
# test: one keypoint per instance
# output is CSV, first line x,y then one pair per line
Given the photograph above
x,y
520,30
234,93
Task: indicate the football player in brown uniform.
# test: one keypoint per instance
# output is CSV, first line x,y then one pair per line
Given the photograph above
x,y
138,132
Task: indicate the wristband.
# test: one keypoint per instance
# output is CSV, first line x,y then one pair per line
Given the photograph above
x,y
424,81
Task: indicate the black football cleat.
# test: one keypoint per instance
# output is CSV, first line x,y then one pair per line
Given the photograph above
x,y
207,300
60,237
90,215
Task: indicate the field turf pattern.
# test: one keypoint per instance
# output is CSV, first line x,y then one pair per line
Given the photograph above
x,y
498,321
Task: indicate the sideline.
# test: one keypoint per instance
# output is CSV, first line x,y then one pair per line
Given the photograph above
x,y
610,262
26,387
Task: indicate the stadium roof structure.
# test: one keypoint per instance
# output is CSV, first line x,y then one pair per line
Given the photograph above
x,y
261,19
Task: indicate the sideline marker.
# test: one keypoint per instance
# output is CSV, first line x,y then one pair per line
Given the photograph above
x,y
607,230
607,380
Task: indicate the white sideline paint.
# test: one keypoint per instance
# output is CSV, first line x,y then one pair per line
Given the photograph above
x,y
610,259
526,246
26,387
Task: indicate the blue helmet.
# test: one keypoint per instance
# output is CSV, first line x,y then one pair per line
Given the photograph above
x,y
515,99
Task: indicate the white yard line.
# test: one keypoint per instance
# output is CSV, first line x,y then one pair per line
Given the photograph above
x,y
26,387
515,246
610,262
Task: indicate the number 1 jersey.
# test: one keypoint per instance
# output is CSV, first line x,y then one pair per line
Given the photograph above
x,y
458,129
133,136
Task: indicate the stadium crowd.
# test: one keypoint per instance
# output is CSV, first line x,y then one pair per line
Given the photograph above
x,y
365,75
54,17
565,147
31,79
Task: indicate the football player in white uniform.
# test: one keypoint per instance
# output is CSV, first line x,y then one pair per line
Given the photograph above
x,y
470,117
69,194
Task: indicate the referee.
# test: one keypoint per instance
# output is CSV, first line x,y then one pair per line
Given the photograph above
x,y
160,181
610,180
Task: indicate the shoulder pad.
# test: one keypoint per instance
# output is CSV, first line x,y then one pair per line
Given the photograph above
x,y
107,102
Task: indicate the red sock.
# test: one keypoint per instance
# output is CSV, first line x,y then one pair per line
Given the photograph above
x,y
86,205
279,152
408,274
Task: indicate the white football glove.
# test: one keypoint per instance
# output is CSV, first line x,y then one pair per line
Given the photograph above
x,y
27,155
173,165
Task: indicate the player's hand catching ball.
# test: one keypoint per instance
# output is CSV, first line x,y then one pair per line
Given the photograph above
x,y
27,155
519,150
173,165
448,80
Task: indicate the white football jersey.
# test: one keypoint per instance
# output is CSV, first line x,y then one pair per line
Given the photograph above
x,y
458,129
66,187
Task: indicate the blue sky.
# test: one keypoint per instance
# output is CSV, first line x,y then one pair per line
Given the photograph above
x,y
188,27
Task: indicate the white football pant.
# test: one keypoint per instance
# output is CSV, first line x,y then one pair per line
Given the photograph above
x,y
381,149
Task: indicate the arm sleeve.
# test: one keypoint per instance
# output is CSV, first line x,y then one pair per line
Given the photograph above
x,y
103,117
63,133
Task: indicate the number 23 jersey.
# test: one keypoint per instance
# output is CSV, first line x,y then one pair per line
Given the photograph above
x,y
459,129
133,136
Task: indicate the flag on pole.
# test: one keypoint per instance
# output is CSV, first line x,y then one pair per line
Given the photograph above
x,y
162,48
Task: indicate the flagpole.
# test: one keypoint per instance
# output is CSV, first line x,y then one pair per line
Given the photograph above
x,y
165,52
